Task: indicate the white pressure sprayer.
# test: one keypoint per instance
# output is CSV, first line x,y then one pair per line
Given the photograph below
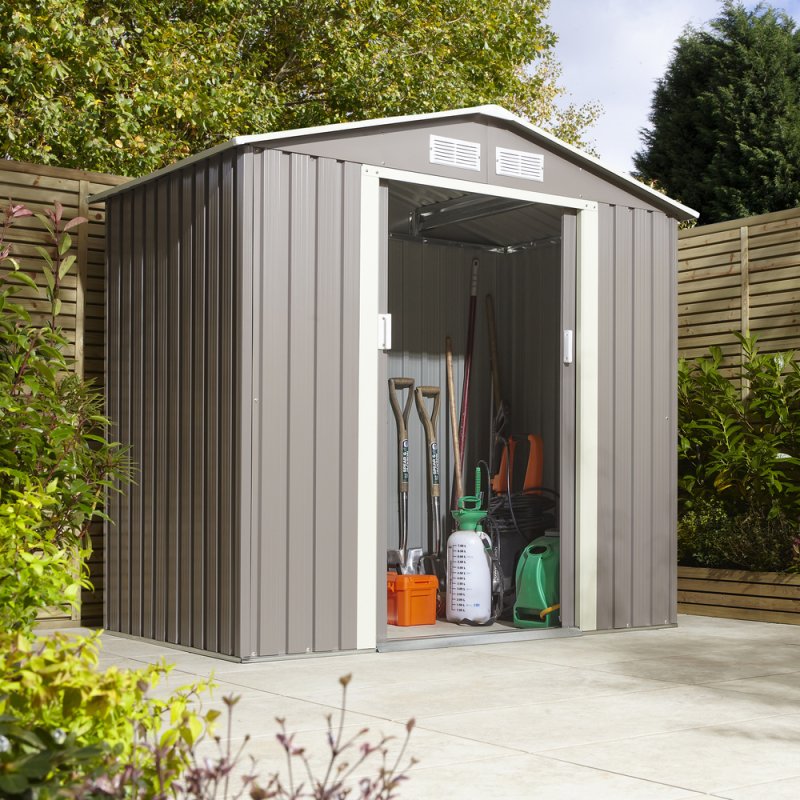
x,y
469,564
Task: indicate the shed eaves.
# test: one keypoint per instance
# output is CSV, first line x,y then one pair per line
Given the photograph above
x,y
489,111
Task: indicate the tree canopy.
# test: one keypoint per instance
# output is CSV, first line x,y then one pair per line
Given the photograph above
x,y
131,88
725,118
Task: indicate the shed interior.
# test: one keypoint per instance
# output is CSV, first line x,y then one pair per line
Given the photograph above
x,y
435,236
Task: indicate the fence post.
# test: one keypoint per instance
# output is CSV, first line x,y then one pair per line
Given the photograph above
x,y
82,277
744,261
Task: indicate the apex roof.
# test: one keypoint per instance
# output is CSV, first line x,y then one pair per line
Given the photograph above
x,y
487,112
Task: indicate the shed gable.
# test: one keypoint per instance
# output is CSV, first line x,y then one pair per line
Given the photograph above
x,y
409,146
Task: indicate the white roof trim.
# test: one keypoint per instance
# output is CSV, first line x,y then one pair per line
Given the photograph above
x,y
494,111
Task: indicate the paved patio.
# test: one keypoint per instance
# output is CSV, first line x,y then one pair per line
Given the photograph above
x,y
710,708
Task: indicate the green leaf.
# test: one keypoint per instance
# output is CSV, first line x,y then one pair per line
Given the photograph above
x,y
45,222
71,592
72,699
22,277
13,784
45,254
65,244
23,734
66,265
48,276
31,382
168,738
195,727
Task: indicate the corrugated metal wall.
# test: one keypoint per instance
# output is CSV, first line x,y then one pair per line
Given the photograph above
x,y
300,433
637,450
429,290
171,369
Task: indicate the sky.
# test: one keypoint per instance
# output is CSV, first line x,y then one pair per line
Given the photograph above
x,y
613,52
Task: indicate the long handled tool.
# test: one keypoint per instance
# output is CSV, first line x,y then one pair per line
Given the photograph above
x,y
458,487
473,302
501,411
433,564
399,558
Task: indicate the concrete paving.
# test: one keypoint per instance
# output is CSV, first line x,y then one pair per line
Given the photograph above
x,y
708,709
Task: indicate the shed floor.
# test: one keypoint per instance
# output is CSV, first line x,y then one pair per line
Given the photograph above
x,y
443,628
708,709
448,634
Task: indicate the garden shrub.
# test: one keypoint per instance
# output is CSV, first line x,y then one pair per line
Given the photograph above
x,y
701,531
52,432
763,544
63,721
739,461
37,570
709,535
67,728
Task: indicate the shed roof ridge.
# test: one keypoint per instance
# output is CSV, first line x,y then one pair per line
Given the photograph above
x,y
489,110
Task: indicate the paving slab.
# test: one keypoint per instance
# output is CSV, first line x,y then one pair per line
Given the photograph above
x,y
610,718
525,777
710,708
788,789
714,759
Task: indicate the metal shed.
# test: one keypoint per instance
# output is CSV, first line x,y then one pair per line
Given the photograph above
x,y
246,368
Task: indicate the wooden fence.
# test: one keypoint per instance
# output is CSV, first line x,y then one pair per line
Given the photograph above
x,y
739,594
82,295
742,275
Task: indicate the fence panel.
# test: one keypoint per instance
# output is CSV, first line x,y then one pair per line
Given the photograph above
x,y
742,275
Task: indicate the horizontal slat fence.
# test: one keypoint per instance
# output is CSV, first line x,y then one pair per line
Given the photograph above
x,y
82,293
738,594
742,275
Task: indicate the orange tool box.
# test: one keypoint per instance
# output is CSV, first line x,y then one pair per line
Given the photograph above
x,y
411,599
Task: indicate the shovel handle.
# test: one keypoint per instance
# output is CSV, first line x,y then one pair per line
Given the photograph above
x,y
401,418
401,415
421,394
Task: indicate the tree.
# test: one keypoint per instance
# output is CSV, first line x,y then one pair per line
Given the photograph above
x,y
86,84
725,118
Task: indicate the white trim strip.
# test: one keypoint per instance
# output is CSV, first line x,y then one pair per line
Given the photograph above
x,y
477,188
587,420
367,550
586,401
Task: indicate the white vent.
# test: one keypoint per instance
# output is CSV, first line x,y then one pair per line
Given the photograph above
x,y
455,153
519,164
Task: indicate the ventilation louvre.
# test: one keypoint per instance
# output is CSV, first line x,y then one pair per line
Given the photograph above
x,y
519,164
455,153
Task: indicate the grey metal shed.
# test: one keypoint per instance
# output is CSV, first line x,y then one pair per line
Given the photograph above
x,y
245,368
